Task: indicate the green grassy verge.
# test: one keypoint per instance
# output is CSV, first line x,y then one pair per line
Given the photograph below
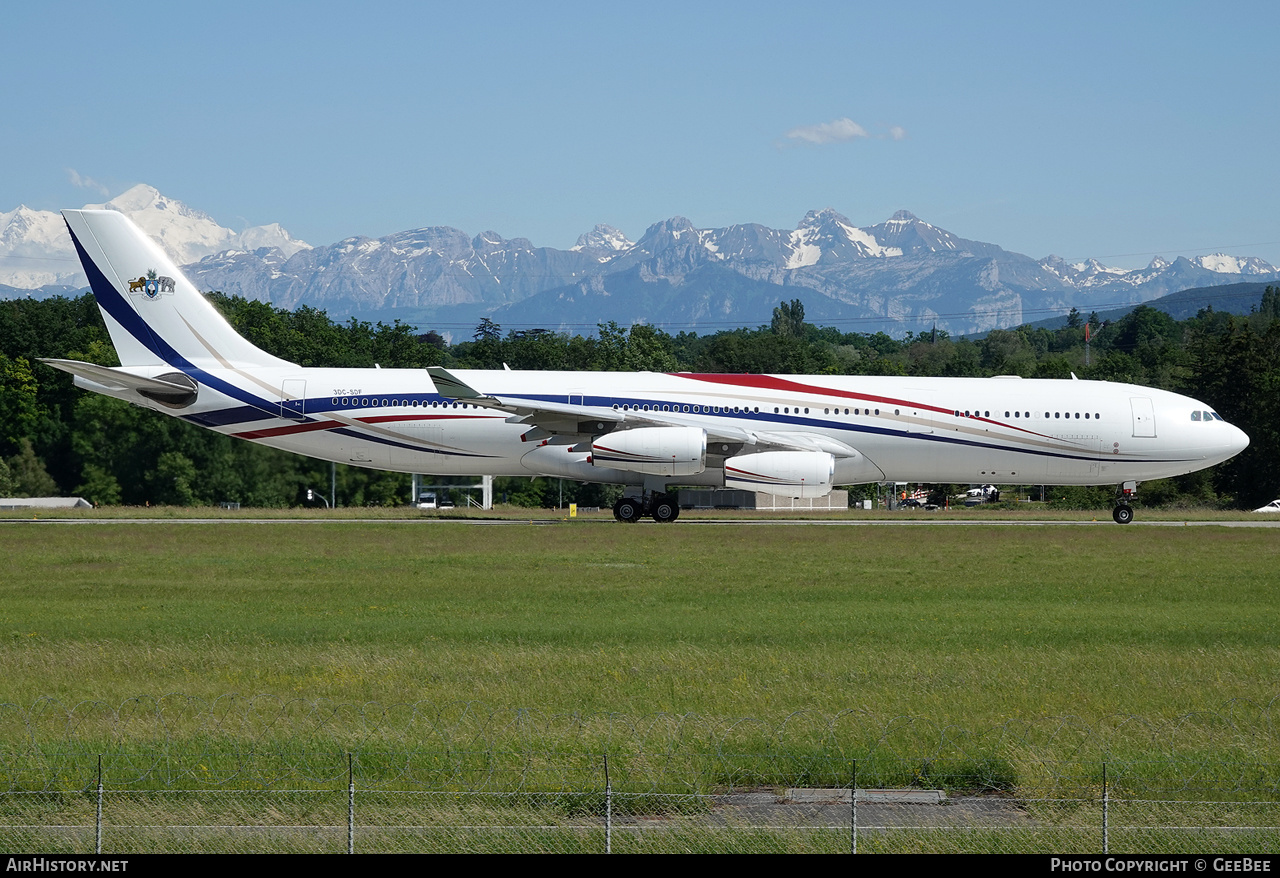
x,y
969,628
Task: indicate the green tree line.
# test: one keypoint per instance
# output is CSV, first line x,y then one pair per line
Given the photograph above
x,y
55,439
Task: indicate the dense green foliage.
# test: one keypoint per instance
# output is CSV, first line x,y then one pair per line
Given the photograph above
x,y
56,439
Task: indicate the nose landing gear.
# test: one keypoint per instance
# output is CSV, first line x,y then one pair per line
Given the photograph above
x,y
1123,513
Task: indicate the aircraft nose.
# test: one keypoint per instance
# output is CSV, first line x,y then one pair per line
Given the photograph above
x,y
1239,440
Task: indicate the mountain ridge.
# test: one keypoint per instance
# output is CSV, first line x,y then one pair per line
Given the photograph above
x,y
901,274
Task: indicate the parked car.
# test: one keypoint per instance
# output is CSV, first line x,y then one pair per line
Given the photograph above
x,y
912,503
1273,506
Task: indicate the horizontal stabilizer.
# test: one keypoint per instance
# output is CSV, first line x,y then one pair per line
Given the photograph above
x,y
173,388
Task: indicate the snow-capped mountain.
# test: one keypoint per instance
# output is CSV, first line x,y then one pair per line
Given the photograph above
x,y
422,268
603,242
908,233
826,236
36,251
903,273
1224,264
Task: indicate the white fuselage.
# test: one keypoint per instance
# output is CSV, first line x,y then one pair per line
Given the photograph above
x,y
998,430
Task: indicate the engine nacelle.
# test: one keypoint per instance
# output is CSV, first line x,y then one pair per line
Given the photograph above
x,y
782,473
657,451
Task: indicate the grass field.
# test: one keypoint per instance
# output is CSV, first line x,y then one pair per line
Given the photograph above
x,y
967,626
802,650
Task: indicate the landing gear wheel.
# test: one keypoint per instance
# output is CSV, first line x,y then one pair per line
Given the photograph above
x,y
665,509
627,510
1123,514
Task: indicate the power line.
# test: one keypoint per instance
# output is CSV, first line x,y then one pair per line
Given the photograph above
x,y
923,317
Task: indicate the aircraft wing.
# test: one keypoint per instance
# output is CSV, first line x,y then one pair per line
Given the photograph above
x,y
551,418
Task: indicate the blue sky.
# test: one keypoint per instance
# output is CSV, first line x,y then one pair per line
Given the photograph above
x,y
1112,130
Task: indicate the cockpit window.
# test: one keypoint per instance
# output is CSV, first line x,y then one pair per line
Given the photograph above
x,y
1195,416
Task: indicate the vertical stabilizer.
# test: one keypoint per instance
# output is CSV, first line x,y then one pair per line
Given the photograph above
x,y
154,314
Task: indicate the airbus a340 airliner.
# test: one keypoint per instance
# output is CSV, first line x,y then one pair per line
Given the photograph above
x,y
787,435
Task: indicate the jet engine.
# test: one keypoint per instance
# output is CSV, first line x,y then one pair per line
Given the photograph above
x,y
657,451
782,473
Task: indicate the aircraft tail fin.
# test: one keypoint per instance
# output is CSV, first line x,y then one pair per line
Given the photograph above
x,y
154,314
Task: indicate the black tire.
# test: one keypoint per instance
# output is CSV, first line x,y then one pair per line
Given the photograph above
x,y
1123,514
665,509
627,510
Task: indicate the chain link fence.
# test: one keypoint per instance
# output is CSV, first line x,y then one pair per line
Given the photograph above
x,y
1081,808
176,774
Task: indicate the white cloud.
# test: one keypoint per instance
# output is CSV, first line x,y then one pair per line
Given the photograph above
x,y
839,131
86,182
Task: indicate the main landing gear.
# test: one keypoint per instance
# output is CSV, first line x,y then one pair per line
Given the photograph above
x,y
1123,513
660,506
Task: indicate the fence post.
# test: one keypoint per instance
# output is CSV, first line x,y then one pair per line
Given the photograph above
x,y
608,808
853,810
351,807
97,820
1106,841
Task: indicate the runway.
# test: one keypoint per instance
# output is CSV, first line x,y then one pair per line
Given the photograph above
x,y
687,522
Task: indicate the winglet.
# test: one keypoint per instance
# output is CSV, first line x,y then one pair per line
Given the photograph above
x,y
450,386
